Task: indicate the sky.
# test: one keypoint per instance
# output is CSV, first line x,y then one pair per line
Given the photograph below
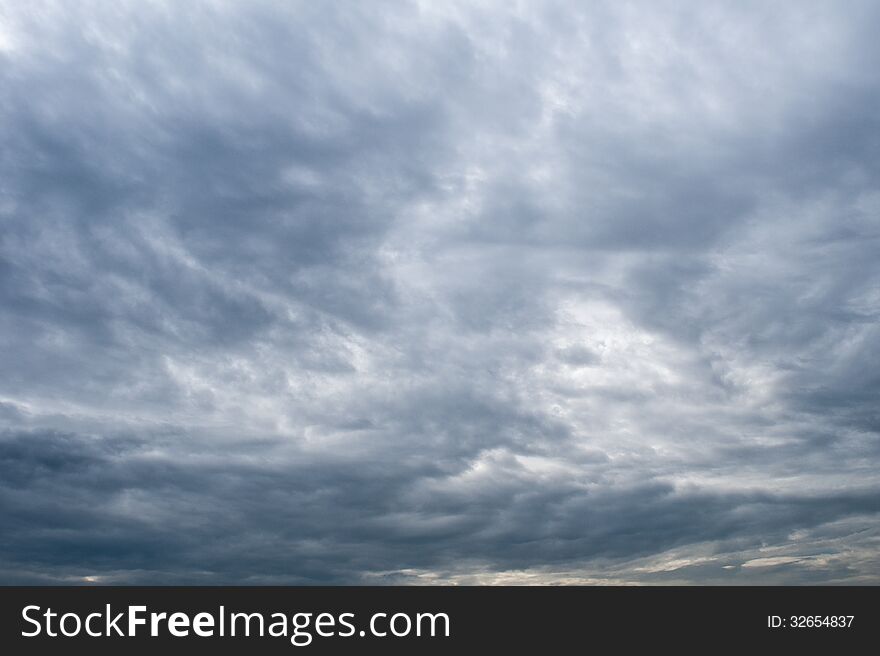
x,y
439,292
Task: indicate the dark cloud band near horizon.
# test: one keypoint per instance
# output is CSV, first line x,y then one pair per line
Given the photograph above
x,y
416,292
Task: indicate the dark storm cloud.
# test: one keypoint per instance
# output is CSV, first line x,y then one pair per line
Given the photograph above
x,y
407,292
92,505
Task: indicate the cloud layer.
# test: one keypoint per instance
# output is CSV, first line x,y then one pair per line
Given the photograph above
x,y
439,292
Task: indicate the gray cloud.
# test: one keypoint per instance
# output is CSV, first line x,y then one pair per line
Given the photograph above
x,y
306,293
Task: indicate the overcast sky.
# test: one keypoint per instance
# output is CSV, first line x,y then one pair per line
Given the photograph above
x,y
458,292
